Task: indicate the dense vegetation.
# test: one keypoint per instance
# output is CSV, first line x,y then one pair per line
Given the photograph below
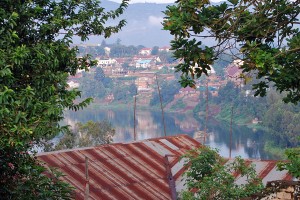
x,y
210,178
118,50
281,119
167,89
263,34
97,85
35,62
86,135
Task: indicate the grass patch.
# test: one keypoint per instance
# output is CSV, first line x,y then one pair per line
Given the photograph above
x,y
239,117
273,149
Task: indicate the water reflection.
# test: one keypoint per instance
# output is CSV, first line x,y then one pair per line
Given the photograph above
x,y
245,142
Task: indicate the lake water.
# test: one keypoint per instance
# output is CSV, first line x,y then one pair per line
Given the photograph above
x,y
246,142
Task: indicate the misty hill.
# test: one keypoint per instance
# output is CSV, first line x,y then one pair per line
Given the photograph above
x,y
143,25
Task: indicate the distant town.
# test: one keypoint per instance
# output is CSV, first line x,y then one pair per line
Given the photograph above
x,y
144,66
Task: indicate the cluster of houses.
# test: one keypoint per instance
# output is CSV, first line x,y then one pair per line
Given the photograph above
x,y
144,60
144,67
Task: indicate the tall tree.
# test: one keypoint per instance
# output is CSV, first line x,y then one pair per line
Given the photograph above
x,y
154,50
263,34
99,75
103,43
36,58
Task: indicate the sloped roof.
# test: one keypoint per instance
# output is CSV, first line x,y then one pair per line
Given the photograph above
x,y
266,171
233,71
147,169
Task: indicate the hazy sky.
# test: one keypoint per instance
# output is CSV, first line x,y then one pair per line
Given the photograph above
x,y
155,1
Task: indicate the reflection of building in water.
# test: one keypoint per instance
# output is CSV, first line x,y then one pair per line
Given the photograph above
x,y
250,143
211,137
146,126
123,133
239,145
189,124
110,114
252,148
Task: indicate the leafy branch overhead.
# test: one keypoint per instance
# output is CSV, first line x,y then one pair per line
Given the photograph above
x,y
263,34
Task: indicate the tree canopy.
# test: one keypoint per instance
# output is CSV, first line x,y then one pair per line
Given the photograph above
x,y
36,58
208,177
263,34
85,135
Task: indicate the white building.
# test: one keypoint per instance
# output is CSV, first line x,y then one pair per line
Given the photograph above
x,y
143,64
145,51
73,84
105,62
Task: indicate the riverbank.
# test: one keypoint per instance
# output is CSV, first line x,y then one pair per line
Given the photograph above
x,y
224,117
149,124
125,106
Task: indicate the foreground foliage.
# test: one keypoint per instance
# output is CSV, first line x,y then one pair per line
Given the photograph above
x,y
36,59
293,163
209,178
85,135
263,34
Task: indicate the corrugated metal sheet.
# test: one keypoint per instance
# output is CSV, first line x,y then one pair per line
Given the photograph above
x,y
137,170
266,171
148,169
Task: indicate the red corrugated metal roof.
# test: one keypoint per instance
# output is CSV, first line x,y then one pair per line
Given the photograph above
x,y
137,170
148,169
233,71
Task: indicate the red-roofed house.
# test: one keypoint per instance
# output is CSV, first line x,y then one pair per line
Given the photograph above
x,y
188,91
233,72
145,51
149,169
165,48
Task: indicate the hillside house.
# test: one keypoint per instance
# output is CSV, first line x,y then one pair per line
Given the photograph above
x,y
188,91
145,64
145,51
167,77
73,84
121,61
144,83
119,71
146,57
105,62
154,60
165,48
210,71
233,72
109,98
